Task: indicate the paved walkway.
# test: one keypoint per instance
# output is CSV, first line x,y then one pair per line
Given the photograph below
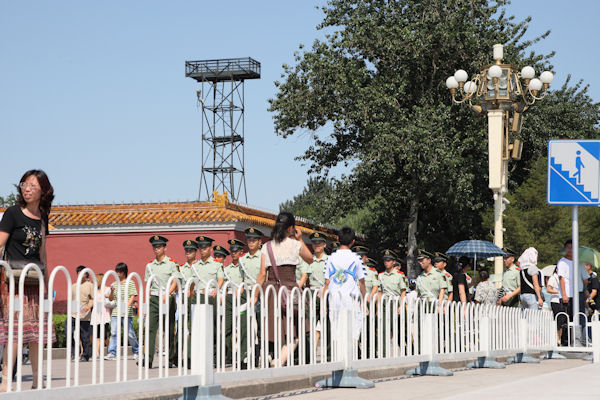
x,y
551,379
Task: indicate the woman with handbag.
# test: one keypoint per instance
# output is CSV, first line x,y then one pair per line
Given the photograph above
x,y
279,259
23,230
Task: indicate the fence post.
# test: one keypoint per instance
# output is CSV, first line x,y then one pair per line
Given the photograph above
x,y
523,356
428,339
485,343
553,354
345,343
202,356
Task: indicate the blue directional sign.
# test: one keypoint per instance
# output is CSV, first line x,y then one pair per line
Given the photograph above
x,y
574,172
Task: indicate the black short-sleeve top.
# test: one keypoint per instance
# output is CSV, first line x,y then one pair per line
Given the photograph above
x,y
25,235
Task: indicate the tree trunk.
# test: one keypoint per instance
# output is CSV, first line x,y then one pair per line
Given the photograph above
x,y
413,269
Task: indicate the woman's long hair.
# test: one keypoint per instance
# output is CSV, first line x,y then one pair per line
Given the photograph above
x,y
282,223
47,191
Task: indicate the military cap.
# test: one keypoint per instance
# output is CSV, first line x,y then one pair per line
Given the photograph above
x,y
360,250
220,251
389,255
335,246
235,245
253,233
371,263
509,252
158,240
437,257
421,254
317,237
190,245
204,241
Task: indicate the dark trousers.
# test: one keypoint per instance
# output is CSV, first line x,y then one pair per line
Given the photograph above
x,y
85,333
568,308
241,332
153,316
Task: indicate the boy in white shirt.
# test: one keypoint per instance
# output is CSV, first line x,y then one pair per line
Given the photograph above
x,y
345,280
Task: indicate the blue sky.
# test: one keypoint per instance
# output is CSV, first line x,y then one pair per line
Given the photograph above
x,y
95,93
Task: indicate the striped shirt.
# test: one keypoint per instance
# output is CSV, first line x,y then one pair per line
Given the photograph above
x,y
125,295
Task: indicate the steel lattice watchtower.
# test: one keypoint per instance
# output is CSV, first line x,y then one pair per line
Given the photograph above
x,y
222,98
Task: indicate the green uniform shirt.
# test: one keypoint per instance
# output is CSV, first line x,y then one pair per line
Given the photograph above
x,y
209,270
511,279
449,287
234,274
371,280
430,284
163,271
316,272
392,283
187,271
251,266
301,268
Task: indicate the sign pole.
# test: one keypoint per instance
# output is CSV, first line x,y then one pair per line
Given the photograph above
x,y
576,274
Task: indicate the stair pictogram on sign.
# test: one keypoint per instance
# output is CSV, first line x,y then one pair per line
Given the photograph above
x,y
574,172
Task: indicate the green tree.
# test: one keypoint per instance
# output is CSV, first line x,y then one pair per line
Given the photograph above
x,y
531,222
373,92
314,201
9,200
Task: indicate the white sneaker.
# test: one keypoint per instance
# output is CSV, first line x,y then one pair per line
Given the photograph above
x,y
135,357
110,357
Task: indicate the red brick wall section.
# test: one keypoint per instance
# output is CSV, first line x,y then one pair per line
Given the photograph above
x,y
102,251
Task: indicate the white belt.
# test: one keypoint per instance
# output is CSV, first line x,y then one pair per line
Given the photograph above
x,y
154,293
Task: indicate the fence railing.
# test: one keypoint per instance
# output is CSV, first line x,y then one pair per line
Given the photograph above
x,y
237,333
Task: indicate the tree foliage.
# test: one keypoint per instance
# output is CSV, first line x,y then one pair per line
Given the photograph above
x,y
9,200
372,93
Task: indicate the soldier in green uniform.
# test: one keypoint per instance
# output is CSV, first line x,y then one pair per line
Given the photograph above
x,y
187,272
431,285
219,254
371,275
191,251
315,273
250,263
392,285
210,276
236,277
251,260
511,280
372,283
163,268
392,281
440,262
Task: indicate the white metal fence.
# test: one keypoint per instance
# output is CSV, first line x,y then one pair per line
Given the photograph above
x,y
365,333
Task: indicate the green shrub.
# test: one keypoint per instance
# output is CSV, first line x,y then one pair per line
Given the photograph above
x,y
58,321
59,330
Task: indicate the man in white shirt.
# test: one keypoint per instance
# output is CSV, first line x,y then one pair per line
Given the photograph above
x,y
345,280
564,268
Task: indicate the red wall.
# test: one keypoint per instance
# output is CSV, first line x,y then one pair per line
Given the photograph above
x,y
102,251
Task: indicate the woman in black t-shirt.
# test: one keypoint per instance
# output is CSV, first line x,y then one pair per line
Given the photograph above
x,y
460,286
23,230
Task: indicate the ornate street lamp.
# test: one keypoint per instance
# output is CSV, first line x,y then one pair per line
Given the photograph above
x,y
504,94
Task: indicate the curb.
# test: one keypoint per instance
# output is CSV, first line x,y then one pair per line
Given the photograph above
x,y
261,388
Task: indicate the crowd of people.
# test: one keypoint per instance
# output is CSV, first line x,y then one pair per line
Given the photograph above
x,y
283,261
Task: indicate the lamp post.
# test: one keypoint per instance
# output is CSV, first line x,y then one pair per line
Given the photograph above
x,y
502,93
